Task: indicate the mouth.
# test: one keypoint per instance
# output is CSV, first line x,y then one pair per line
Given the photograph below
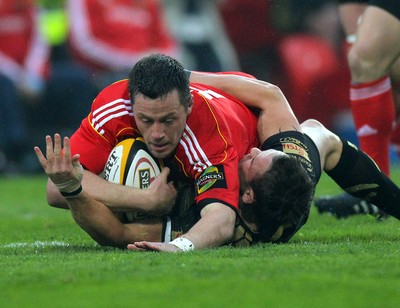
x,y
159,148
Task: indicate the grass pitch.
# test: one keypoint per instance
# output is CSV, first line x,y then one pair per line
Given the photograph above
x,y
48,261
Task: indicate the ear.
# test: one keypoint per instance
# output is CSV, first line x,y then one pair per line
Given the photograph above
x,y
248,196
190,105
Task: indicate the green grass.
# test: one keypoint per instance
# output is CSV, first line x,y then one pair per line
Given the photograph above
x,y
47,261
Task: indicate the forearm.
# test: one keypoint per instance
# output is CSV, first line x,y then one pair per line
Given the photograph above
x,y
215,227
103,226
253,92
116,197
275,112
96,219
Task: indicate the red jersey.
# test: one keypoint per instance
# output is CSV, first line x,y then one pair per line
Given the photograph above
x,y
24,53
219,131
115,34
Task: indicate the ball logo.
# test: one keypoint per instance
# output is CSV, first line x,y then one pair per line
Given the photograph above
x,y
144,178
144,170
130,164
112,168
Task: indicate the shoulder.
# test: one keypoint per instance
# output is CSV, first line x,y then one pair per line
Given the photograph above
x,y
112,109
113,94
119,87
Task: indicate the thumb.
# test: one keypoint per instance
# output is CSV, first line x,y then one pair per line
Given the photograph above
x,y
77,167
75,160
165,172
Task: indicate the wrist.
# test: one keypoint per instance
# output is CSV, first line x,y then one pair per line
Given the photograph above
x,y
183,244
72,194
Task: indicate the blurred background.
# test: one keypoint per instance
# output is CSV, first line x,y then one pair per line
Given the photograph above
x,y
56,55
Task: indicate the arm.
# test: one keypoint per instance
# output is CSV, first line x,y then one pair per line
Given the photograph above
x,y
101,224
158,198
91,215
275,112
215,228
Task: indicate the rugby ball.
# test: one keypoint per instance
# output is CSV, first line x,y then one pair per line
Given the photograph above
x,y
131,164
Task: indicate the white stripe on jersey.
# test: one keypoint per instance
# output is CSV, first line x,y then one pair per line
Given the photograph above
x,y
109,111
193,149
126,102
110,117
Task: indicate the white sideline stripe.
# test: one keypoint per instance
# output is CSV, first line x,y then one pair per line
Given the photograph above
x,y
36,244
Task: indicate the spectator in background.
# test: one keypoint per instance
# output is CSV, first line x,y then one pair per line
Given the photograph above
x,y
311,50
110,36
373,29
69,89
24,64
254,37
200,30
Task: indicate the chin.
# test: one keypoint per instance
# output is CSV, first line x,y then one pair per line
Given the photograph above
x,y
160,154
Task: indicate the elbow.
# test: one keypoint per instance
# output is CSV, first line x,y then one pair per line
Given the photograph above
x,y
276,93
269,97
107,237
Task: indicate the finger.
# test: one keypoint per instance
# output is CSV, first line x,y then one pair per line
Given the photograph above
x,y
152,246
172,186
75,159
138,244
40,157
57,145
135,248
165,172
67,149
49,147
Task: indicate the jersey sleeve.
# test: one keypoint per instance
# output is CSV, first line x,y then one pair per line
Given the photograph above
x,y
219,183
92,148
110,121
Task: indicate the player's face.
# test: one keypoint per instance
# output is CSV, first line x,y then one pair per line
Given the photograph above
x,y
161,122
255,163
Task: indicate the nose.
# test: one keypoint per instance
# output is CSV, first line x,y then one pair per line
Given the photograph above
x,y
254,152
157,131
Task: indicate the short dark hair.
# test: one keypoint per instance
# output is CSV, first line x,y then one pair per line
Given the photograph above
x,y
283,196
156,76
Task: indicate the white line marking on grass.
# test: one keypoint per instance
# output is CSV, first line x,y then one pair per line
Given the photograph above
x,y
37,244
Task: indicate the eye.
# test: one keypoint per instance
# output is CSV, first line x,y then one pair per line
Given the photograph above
x,y
146,120
169,120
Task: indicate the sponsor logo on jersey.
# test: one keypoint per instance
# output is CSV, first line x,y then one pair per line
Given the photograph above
x,y
298,149
212,177
295,148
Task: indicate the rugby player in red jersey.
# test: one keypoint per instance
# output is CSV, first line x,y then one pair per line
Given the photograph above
x,y
275,220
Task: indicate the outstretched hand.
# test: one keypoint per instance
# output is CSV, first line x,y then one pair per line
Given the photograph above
x,y
64,171
153,246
